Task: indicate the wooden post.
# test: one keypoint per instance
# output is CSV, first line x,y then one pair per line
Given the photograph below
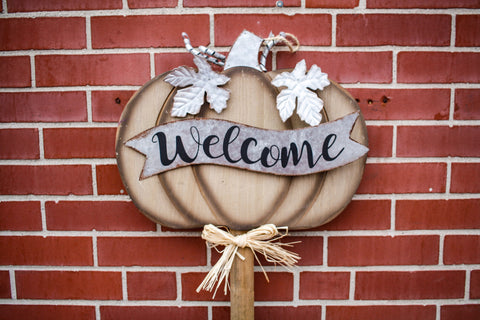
x,y
241,285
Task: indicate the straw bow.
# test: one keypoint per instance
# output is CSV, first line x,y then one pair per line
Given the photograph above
x,y
259,240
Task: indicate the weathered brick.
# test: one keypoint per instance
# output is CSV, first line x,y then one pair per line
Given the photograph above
x,y
15,72
96,215
393,29
475,284
46,312
67,143
344,67
384,178
464,312
33,250
5,291
438,141
152,313
151,251
461,249
331,3
92,69
107,106
437,214
237,3
362,215
137,4
42,33
365,251
438,67
190,283
19,144
20,216
43,106
466,104
381,312
168,61
52,179
403,104
400,285
310,29
465,177
151,286
467,31
380,139
108,180
310,249
129,31
324,285
62,5
85,285
424,4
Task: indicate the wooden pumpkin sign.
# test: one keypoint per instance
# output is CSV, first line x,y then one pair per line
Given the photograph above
x,y
201,147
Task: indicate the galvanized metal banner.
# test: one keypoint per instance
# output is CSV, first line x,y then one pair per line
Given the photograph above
x,y
211,141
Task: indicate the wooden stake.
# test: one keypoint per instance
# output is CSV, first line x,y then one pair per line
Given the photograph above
x,y
241,285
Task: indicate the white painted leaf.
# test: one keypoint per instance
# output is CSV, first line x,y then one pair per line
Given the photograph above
x,y
309,107
286,101
181,77
188,101
316,79
217,97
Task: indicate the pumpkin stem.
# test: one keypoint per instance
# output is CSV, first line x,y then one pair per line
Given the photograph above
x,y
244,52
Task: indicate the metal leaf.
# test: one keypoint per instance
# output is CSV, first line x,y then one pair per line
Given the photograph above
x,y
309,107
188,100
181,77
217,97
286,101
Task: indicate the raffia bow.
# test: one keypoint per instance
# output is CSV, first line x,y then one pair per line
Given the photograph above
x,y
259,240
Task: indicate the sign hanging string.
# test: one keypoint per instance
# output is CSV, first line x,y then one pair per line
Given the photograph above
x,y
259,240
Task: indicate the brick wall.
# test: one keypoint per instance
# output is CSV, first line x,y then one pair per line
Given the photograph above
x,y
72,245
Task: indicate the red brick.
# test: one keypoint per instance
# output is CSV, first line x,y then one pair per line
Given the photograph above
x,y
151,286
43,106
46,312
399,285
438,67
310,249
129,31
467,31
424,4
464,312
475,284
331,3
466,104
393,29
403,104
151,251
42,33
381,312
366,251
67,143
362,215
62,5
15,72
385,178
465,177
324,285
20,216
96,215
108,180
190,283
92,69
153,313
168,61
276,312
438,141
437,214
19,144
380,139
50,251
137,4
5,285
54,179
85,285
107,106
461,249
344,67
237,3
310,29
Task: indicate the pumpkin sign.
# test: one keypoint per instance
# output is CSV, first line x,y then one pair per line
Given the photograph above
x,y
240,156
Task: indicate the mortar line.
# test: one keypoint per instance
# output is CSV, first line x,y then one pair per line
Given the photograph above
x,y
13,284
